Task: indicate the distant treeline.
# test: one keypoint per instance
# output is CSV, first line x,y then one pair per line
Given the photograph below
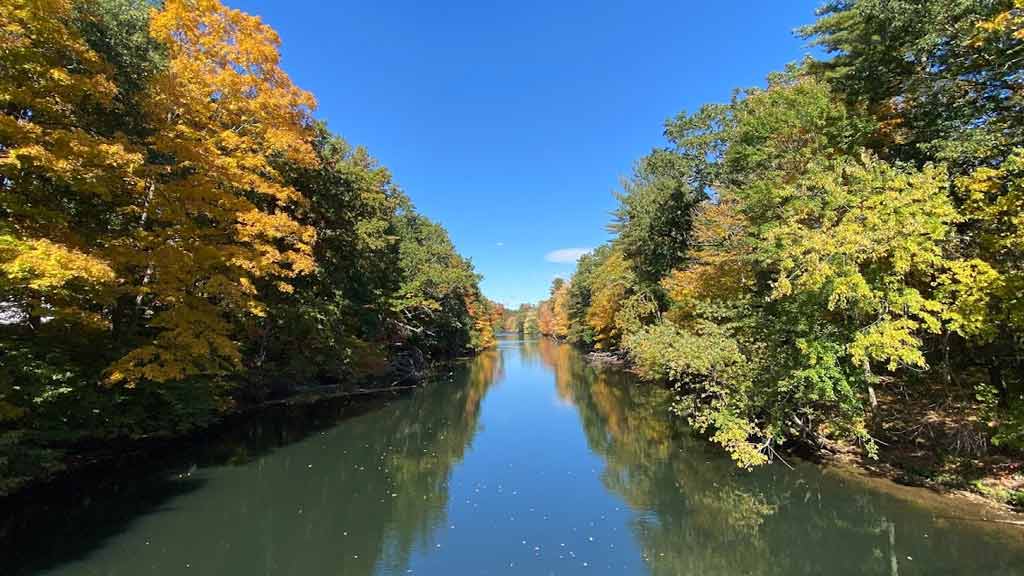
x,y
178,234
852,232
549,317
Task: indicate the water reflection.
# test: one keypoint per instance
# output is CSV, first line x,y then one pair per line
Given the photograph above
x,y
696,514
353,499
524,460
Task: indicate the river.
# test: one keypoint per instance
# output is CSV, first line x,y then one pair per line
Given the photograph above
x,y
524,460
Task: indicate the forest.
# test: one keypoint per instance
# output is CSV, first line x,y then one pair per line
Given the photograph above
x,y
835,258
180,237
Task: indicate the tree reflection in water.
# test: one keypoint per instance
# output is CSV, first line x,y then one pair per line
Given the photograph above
x,y
697,514
352,499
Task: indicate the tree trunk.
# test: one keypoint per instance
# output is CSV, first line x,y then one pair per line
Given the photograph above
x,y
996,379
871,387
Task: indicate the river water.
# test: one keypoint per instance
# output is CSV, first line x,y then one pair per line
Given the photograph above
x,y
525,460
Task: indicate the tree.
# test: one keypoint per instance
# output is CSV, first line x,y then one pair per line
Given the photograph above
x,y
581,295
658,202
331,327
944,78
431,301
66,172
814,267
560,308
216,219
843,249
481,333
545,318
60,169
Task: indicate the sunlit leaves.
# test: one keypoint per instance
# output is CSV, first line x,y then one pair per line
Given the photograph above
x,y
868,238
56,164
553,313
45,266
219,215
816,264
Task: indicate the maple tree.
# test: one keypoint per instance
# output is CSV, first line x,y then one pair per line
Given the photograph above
x,y
553,313
545,318
216,219
59,168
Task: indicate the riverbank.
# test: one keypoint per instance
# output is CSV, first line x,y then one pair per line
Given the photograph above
x,y
162,465
958,505
990,484
92,456
95,457
945,450
239,436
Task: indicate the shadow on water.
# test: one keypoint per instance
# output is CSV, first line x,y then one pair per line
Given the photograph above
x,y
66,520
42,534
360,477
698,514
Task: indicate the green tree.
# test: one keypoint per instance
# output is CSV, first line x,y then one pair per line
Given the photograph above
x,y
430,302
944,79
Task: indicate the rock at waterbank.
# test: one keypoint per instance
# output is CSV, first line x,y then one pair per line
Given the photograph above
x,y
606,358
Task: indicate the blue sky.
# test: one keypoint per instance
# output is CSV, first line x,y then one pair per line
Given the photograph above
x,y
512,123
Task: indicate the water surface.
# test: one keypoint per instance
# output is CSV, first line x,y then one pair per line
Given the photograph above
x,y
526,460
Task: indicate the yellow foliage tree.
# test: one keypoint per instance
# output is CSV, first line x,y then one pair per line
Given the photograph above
x,y
482,334
218,218
720,267
545,318
560,311
58,168
610,285
994,203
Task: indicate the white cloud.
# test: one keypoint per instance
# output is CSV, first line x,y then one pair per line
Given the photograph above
x,y
565,255
501,243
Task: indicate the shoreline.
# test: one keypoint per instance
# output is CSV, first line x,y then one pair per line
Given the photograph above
x,y
149,452
144,451
955,505
956,487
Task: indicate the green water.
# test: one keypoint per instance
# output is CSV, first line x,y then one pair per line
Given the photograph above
x,y
526,460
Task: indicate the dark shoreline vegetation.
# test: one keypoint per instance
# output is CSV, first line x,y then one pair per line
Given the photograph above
x,y
180,239
836,261
95,457
92,467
